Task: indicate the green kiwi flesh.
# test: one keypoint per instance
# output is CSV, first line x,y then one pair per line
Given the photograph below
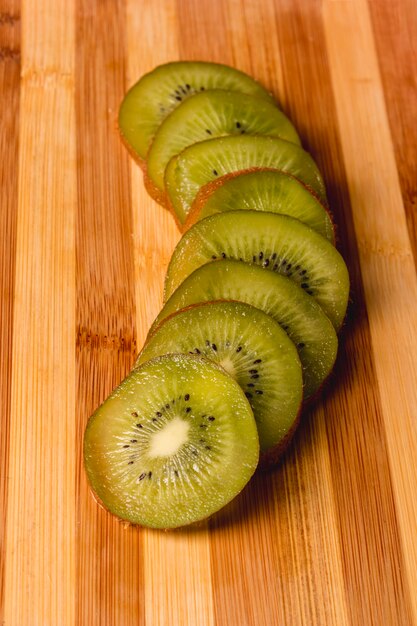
x,y
156,94
252,348
277,243
262,190
203,162
298,313
174,443
211,114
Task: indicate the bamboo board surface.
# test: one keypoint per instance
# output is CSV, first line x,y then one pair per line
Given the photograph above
x,y
329,538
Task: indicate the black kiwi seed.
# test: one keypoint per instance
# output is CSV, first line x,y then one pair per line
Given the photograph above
x,y
187,397
255,376
149,474
223,255
239,348
253,371
158,414
261,256
213,345
126,446
248,394
139,426
142,476
211,418
215,173
257,361
259,392
213,256
266,263
130,462
133,441
208,131
188,409
135,414
238,125
178,98
251,385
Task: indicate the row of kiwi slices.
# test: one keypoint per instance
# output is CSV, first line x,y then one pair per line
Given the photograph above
x,y
255,294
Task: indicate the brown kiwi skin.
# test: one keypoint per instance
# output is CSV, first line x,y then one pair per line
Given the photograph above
x,y
207,190
267,460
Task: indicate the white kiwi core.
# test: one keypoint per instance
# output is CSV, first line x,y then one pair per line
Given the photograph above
x,y
169,439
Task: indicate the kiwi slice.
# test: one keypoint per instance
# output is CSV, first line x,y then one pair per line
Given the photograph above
x,y
203,162
159,92
278,296
174,443
253,349
278,243
213,114
262,190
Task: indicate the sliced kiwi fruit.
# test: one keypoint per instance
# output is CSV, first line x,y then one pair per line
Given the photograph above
x,y
203,162
214,113
298,313
253,349
277,243
159,92
174,443
262,190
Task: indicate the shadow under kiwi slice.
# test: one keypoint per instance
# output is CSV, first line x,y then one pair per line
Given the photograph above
x,y
252,348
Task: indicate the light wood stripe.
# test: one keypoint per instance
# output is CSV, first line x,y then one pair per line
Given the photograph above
x,y
40,517
9,158
177,564
109,583
395,24
302,32
386,259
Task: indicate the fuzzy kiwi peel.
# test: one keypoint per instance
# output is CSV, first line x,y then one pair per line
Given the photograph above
x,y
173,443
252,348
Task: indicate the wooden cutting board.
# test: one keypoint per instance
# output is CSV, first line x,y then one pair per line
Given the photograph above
x,y
329,538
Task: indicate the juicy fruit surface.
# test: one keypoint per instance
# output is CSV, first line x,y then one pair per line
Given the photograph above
x,y
174,443
159,92
298,313
251,347
203,162
262,190
275,242
212,114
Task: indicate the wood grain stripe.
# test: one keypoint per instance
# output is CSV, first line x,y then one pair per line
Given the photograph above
x,y
177,564
374,594
40,515
9,158
394,25
109,555
389,281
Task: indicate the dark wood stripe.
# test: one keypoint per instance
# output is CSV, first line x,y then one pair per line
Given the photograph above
x,y
362,490
197,21
395,25
110,586
9,159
